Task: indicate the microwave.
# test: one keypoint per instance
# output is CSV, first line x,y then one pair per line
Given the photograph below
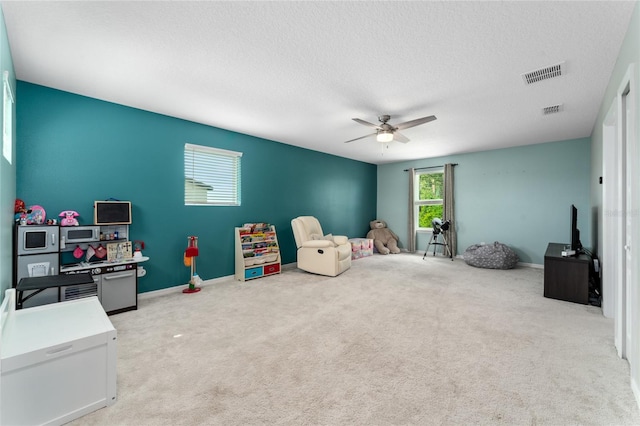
x,y
36,239
78,234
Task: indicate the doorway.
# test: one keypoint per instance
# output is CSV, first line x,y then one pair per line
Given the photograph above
x,y
621,222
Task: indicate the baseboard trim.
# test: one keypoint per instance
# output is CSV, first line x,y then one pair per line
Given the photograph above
x,y
430,254
461,257
636,390
178,288
531,265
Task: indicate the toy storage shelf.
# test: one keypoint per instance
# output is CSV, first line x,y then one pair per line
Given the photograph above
x,y
257,251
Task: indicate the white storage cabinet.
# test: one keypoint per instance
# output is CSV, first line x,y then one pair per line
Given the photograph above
x,y
57,361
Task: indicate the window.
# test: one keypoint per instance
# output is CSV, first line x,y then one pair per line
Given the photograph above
x,y
7,119
211,176
428,198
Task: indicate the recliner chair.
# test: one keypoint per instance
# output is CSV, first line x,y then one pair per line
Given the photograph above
x,y
325,255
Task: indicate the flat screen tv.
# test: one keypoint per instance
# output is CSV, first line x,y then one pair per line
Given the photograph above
x,y
575,232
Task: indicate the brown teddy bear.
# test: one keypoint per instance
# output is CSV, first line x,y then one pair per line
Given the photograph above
x,y
383,238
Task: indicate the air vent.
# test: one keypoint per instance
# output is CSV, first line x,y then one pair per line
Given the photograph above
x,y
544,73
552,109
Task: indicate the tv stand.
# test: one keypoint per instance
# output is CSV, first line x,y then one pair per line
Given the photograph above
x,y
566,278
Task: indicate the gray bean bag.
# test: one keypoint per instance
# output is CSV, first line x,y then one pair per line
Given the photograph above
x,y
491,256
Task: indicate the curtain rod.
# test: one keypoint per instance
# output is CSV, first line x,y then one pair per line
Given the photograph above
x,y
430,167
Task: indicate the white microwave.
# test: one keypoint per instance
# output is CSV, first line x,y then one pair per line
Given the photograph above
x,y
78,234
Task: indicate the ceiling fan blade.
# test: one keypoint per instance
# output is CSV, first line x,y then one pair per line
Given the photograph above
x,y
361,137
366,123
399,137
415,122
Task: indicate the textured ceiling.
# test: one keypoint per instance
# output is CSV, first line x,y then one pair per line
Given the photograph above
x,y
297,72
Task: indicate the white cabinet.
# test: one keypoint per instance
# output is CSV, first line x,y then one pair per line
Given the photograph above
x,y
257,251
57,362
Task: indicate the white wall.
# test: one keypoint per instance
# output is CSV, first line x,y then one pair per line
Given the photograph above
x,y
7,173
629,55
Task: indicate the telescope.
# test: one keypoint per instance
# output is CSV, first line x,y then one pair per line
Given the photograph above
x,y
438,225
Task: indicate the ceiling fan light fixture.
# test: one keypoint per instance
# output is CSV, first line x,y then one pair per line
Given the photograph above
x,y
386,133
384,136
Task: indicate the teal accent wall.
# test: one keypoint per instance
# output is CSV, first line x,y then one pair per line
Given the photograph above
x,y
518,196
7,173
73,150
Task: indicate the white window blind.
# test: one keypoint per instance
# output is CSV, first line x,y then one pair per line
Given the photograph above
x,y
211,176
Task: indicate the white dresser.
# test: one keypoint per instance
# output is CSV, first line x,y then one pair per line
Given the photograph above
x,y
57,361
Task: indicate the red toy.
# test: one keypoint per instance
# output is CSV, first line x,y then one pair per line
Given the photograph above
x,y
190,255
21,212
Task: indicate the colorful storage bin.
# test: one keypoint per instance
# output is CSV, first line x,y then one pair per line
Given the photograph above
x,y
361,247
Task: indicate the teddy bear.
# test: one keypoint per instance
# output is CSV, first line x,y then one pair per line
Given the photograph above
x,y
383,238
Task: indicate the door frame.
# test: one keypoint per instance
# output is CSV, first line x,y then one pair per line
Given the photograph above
x,y
623,247
610,215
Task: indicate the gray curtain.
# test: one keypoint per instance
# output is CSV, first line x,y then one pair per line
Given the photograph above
x,y
411,240
448,208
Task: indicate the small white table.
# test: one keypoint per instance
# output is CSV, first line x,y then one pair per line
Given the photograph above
x,y
57,361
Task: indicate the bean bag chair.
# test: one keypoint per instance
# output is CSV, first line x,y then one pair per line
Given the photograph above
x,y
491,256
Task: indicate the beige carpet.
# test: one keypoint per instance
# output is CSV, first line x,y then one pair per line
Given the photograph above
x,y
394,340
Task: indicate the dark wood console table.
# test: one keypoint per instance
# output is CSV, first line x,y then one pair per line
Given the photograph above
x,y
566,278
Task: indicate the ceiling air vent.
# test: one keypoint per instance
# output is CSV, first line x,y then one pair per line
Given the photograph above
x,y
544,73
552,109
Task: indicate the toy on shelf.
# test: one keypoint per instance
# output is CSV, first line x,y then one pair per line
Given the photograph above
x,y
138,246
190,255
21,212
34,215
69,218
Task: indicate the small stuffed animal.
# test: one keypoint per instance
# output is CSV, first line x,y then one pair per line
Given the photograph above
x,y
69,218
383,238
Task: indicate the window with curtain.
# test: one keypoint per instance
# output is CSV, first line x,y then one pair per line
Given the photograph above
x,y
211,176
428,195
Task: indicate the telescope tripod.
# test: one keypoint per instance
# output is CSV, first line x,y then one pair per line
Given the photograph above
x,y
434,242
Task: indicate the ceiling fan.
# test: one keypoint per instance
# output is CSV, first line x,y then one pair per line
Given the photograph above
x,y
385,132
